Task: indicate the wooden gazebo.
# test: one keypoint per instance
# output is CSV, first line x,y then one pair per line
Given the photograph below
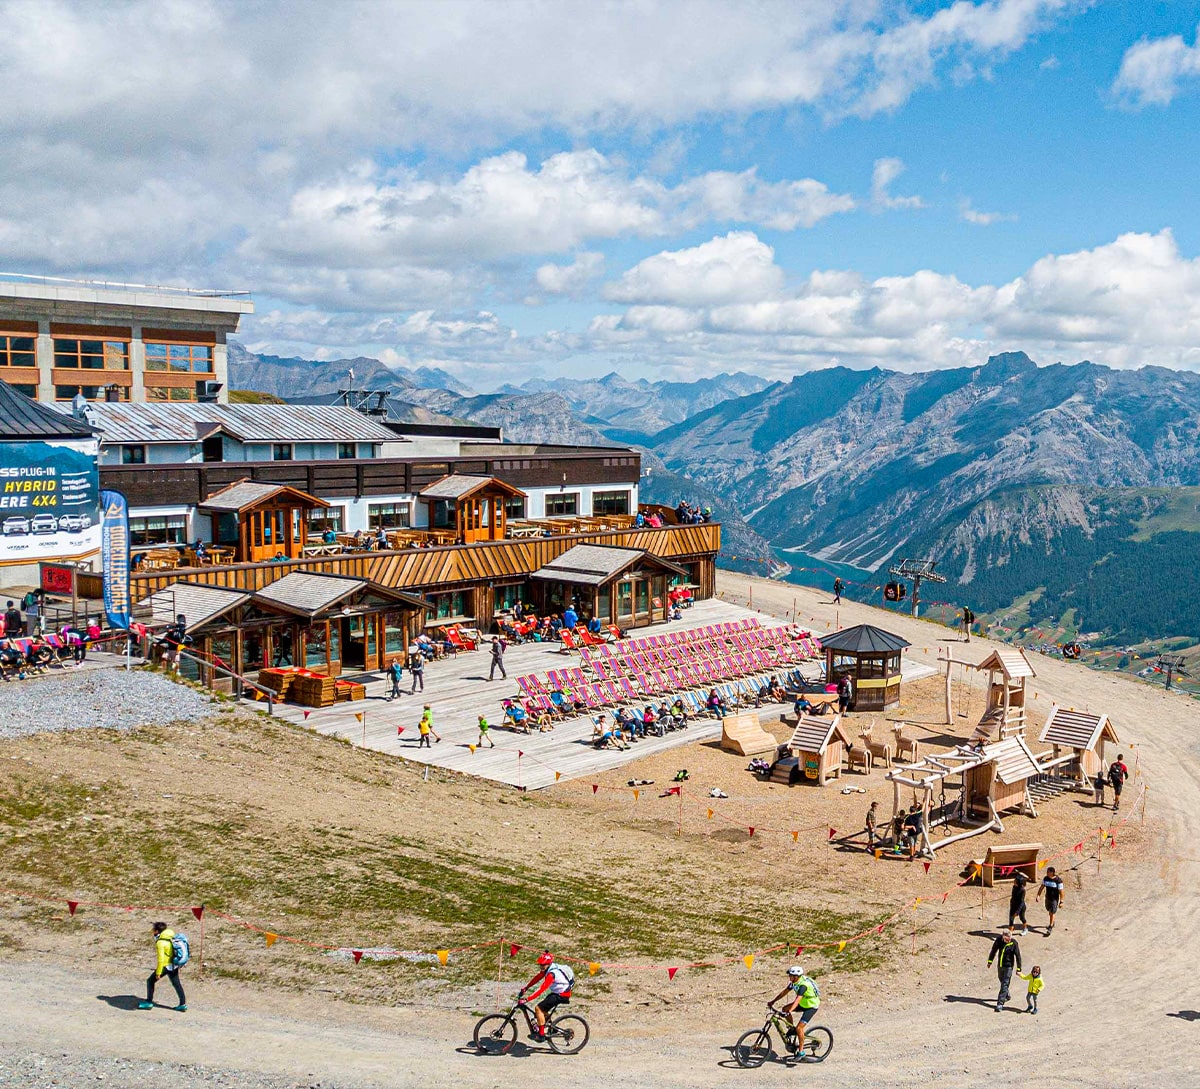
x,y
261,521
871,657
472,505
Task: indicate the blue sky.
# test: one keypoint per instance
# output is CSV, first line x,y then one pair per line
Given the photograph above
x,y
670,189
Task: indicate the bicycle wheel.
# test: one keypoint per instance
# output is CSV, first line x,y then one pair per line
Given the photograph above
x,y
495,1034
818,1043
753,1048
568,1034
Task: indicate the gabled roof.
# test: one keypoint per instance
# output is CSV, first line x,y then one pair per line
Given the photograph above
x,y
463,486
1076,729
594,565
22,417
1014,760
1010,661
198,603
244,494
864,639
813,733
307,594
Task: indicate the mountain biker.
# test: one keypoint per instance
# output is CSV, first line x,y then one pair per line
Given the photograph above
x,y
555,978
805,995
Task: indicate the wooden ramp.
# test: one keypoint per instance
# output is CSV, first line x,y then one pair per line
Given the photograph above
x,y
744,735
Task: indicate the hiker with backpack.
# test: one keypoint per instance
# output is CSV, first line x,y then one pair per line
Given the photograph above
x,y
171,952
555,978
1117,774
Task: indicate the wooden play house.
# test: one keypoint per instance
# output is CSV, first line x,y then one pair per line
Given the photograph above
x,y
992,779
473,506
816,749
260,521
1008,669
1078,739
870,656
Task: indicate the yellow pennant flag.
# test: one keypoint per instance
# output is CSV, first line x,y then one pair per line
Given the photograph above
x,y
443,955
1042,864
359,716
271,939
748,960
916,901
557,776
841,946
471,747
710,813
593,967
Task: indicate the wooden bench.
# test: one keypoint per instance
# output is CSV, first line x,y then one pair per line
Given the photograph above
x,y
744,735
1004,862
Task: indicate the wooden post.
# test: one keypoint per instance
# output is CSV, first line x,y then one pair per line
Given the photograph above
x,y
1145,791
364,718
201,950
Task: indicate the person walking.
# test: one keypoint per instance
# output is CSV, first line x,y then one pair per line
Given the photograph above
x,y
1016,903
1007,955
425,728
1098,785
485,733
1034,978
497,659
845,693
14,625
166,961
872,825
395,675
838,587
416,666
968,618
1117,774
1052,886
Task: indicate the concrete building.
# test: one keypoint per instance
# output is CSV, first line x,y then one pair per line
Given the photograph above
x,y
121,342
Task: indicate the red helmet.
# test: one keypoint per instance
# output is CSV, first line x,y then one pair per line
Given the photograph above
x,y
545,960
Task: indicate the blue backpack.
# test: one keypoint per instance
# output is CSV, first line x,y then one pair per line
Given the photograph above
x,y
181,951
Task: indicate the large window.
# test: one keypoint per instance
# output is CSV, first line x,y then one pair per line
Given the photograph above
x,y
281,451
316,646
454,604
16,351
506,597
514,507
324,518
347,450
182,358
170,393
389,515
158,529
91,355
610,503
133,455
562,503
92,393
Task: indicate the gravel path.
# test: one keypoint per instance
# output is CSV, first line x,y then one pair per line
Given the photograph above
x,y
107,699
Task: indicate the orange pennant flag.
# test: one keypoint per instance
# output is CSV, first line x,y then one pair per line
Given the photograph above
x,y
443,955
710,813
841,946
1043,863
358,715
271,938
593,967
748,960
636,794
916,901
557,776
795,837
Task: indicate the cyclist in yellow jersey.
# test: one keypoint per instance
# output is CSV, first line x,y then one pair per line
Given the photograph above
x,y
805,997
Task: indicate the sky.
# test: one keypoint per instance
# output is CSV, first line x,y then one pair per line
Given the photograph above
x,y
520,189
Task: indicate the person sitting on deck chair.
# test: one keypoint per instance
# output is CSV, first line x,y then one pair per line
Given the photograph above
x,y
604,735
716,704
516,716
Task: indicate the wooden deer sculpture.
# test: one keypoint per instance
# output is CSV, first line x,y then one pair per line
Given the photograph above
x,y
879,750
906,747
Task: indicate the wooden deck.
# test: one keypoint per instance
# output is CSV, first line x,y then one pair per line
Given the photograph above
x,y
458,692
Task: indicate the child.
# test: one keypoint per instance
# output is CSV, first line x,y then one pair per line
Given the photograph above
x,y
1034,978
425,727
1098,785
484,734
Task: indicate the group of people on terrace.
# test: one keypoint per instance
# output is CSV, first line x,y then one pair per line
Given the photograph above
x,y
690,515
26,649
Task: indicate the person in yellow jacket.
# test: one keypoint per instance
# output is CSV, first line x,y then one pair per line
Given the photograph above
x,y
164,962
1036,983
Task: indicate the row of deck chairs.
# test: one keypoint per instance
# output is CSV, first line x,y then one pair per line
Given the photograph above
x,y
23,656
733,659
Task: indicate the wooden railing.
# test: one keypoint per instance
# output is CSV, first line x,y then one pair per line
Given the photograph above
x,y
446,566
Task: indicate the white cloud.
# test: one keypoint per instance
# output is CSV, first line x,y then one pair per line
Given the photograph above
x,y
721,196
884,173
570,279
735,267
1050,64
1153,70
969,214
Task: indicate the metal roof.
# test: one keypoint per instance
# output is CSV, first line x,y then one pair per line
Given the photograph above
x,y
813,733
198,603
1076,729
248,493
594,565
122,422
307,593
1010,661
864,639
461,485
22,417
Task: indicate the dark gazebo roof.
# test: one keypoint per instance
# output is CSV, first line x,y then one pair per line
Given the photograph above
x,y
23,418
864,639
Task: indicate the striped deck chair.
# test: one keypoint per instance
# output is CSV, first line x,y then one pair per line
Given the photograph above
x,y
576,677
628,691
694,704
602,669
661,683
530,687
678,683
613,693
732,694
555,679
593,700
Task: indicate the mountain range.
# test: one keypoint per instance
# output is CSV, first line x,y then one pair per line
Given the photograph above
x,y
1052,486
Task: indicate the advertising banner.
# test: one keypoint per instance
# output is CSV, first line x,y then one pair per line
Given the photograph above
x,y
49,500
114,558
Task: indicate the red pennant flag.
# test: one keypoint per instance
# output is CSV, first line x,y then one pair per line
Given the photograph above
x,y
513,950
72,905
356,954
927,865
1112,840
1078,847
752,831
519,754
945,896
671,973
879,929
799,950
399,730
198,911
306,714
671,790
832,832
595,787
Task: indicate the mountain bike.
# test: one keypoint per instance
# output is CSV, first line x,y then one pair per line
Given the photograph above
x,y
496,1033
754,1047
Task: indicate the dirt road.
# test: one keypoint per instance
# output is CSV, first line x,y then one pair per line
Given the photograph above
x,y
1120,971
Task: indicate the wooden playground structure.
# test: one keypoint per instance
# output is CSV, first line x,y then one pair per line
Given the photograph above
x,y
1077,740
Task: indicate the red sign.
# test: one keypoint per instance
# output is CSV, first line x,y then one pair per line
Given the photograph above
x,y
57,579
